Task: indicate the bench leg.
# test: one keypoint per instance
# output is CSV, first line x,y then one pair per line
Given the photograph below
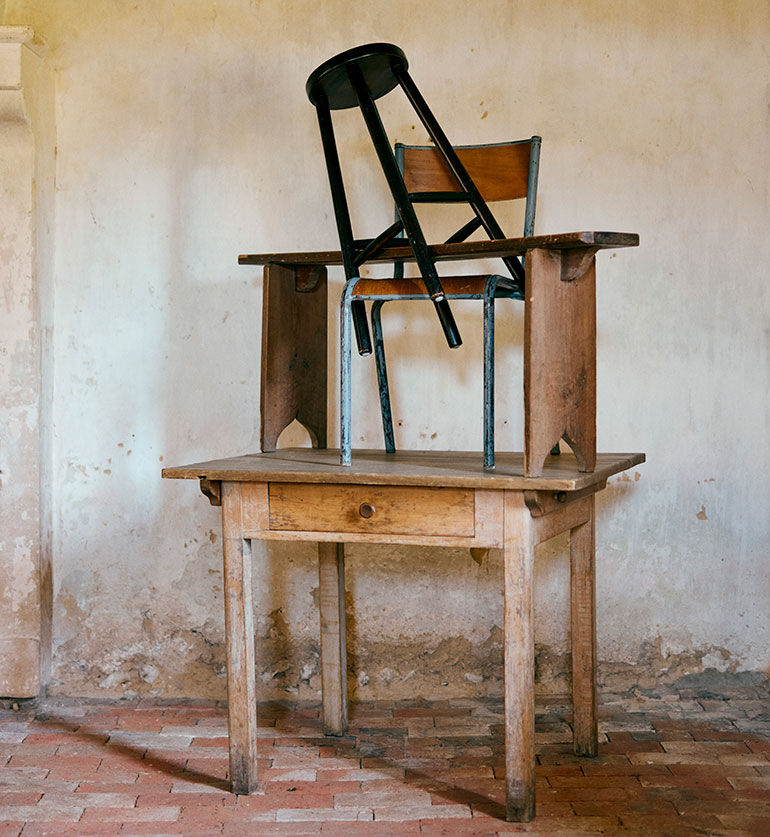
x,y
331,584
560,357
583,617
294,356
239,633
519,651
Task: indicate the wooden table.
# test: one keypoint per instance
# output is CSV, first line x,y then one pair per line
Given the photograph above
x,y
559,336
427,498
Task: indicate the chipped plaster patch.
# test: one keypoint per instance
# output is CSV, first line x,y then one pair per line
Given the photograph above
x,y
181,663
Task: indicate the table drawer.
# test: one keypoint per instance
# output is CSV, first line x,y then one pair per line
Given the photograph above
x,y
379,509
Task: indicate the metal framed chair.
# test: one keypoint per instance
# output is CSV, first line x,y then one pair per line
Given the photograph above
x,y
356,78
503,171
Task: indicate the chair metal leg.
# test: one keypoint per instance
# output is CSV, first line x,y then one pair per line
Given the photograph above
x,y
382,377
489,372
345,371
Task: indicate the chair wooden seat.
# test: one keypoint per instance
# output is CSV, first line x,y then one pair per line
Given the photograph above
x,y
455,287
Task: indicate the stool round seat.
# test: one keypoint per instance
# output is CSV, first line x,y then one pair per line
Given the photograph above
x,y
374,61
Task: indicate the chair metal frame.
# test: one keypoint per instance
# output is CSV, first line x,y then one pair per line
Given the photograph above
x,y
494,287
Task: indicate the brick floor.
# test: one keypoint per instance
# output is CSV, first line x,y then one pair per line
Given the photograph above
x,y
670,762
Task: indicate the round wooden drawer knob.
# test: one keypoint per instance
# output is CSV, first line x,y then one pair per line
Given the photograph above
x,y
366,510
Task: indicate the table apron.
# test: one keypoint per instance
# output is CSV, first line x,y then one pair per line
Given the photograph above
x,y
383,538
490,536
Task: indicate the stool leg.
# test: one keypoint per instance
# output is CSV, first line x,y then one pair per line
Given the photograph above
x,y
489,372
404,206
382,377
334,667
345,373
341,215
360,327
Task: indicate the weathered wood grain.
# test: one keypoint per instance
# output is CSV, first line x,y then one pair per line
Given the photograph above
x,y
294,353
583,619
561,520
312,507
499,172
289,535
255,506
464,250
519,655
505,509
331,596
452,285
426,468
559,361
213,490
543,502
239,632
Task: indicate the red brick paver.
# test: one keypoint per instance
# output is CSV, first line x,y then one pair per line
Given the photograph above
x,y
669,763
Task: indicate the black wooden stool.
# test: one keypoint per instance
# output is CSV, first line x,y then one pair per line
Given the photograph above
x,y
355,78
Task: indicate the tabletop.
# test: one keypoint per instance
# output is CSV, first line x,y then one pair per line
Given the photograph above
x,y
463,250
425,468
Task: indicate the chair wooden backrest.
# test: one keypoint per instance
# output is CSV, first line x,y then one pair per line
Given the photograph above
x,y
502,171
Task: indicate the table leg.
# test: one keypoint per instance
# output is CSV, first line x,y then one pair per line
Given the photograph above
x,y
519,651
583,617
331,584
239,633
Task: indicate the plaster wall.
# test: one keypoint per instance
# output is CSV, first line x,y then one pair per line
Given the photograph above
x,y
184,137
19,403
26,151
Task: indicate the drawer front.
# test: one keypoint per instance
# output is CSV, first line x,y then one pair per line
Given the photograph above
x,y
378,509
